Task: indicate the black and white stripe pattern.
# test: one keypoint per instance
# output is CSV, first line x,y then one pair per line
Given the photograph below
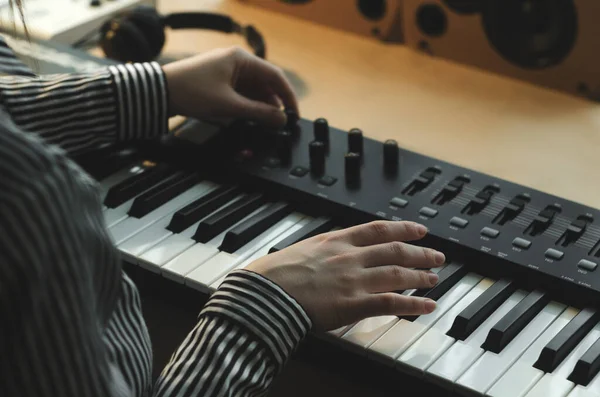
x,y
70,319
84,110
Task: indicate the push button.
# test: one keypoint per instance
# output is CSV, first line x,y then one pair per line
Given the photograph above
x,y
584,264
459,222
521,243
299,171
489,232
398,202
428,212
551,253
327,180
272,162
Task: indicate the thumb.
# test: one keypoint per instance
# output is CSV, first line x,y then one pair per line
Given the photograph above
x,y
261,112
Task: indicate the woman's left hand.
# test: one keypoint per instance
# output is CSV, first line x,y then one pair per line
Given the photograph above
x,y
227,84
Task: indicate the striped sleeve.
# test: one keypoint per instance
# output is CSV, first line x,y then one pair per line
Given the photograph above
x,y
245,335
50,315
81,111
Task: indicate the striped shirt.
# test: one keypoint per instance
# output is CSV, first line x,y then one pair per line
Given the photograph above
x,y
70,318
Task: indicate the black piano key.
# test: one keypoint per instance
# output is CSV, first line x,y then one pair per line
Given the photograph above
x,y
480,309
505,330
315,227
451,274
448,277
223,219
251,228
162,193
136,184
201,208
566,340
587,367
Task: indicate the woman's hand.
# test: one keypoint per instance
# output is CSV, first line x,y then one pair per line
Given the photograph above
x,y
345,276
226,84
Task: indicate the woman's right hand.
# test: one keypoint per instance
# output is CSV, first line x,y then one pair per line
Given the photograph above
x,y
344,276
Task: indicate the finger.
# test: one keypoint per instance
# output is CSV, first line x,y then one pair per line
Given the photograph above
x,y
272,100
401,254
281,86
379,232
262,112
393,304
397,278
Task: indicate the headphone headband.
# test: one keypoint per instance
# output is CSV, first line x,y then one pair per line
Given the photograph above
x,y
138,35
218,22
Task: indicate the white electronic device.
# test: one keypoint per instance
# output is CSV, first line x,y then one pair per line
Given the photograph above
x,y
63,21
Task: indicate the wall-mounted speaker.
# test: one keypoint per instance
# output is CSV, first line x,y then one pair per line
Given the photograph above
x,y
552,43
380,19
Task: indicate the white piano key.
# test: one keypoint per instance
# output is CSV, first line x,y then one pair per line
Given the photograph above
x,y
434,342
112,216
404,333
365,332
209,271
131,226
177,268
522,375
491,366
462,354
152,235
157,256
556,384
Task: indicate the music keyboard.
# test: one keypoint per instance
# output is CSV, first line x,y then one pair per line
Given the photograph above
x,y
518,311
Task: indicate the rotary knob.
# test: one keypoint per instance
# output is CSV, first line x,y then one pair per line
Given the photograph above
x,y
283,146
321,130
317,153
292,119
353,165
391,156
355,141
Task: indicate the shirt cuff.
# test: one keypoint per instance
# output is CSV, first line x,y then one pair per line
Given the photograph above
x,y
264,309
142,100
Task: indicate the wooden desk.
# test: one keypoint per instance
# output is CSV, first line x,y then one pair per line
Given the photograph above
x,y
525,134
510,129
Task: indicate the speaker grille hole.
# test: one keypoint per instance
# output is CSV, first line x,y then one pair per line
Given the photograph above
x,y
372,9
533,34
431,20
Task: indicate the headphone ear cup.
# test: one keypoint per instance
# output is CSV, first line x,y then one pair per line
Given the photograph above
x,y
137,36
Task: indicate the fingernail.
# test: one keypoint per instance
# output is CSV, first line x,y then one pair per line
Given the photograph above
x,y
422,230
430,305
439,258
433,278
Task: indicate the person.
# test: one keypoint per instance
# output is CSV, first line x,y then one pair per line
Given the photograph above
x,y
70,318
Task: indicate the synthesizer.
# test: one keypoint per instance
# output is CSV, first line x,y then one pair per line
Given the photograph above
x,y
518,311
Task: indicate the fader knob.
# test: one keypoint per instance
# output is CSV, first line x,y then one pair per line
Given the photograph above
x,y
355,141
391,156
321,128
317,157
353,164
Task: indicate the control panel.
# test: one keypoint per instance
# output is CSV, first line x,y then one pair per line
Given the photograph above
x,y
500,228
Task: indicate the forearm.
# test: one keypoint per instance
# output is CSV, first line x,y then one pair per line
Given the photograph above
x,y
245,335
82,111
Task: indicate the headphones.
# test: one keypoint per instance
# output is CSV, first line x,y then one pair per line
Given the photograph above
x,y
139,34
